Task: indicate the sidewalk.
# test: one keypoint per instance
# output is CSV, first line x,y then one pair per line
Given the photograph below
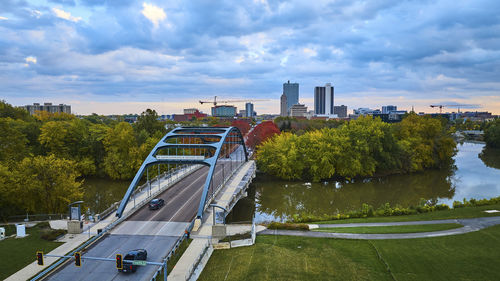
x,y
199,251
72,241
469,225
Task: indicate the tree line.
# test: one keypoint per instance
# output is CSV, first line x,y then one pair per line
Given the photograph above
x,y
44,158
359,148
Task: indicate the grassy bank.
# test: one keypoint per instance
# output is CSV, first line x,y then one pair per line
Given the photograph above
x,y
17,253
472,256
458,213
391,229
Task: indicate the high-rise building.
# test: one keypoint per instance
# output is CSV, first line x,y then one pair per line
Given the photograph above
x,y
48,107
323,100
291,91
248,109
340,110
224,111
283,106
298,110
388,109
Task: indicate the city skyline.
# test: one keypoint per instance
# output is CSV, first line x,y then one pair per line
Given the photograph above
x,y
125,56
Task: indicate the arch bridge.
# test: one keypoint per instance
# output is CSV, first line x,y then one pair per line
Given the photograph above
x,y
218,148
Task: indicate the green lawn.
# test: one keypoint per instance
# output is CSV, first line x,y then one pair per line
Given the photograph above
x,y
468,212
391,229
471,256
17,253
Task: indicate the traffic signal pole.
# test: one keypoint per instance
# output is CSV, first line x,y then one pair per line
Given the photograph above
x,y
40,256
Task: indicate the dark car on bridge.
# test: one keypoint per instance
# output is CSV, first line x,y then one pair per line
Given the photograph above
x,y
156,204
134,255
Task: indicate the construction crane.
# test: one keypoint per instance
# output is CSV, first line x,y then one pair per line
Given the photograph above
x,y
451,105
228,101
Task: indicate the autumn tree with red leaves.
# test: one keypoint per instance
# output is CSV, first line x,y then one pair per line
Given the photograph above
x,y
243,125
261,133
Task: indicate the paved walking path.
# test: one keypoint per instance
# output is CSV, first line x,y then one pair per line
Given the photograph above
x,y
469,225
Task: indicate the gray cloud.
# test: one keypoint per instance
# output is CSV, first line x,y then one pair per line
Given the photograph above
x,y
248,48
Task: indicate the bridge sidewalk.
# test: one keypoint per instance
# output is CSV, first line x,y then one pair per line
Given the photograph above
x,y
199,251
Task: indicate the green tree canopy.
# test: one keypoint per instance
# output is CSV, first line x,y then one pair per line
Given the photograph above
x,y
492,134
46,184
359,148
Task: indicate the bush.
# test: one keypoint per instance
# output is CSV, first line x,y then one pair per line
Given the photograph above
x,y
458,204
51,235
288,226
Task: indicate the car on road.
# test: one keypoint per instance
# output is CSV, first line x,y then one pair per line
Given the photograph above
x,y
134,255
156,204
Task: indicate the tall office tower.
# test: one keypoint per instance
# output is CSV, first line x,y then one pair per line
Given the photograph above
x,y
388,108
248,109
283,106
323,100
291,91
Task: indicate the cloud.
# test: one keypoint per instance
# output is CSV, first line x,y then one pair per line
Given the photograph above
x,y
374,52
153,13
3,18
65,15
29,60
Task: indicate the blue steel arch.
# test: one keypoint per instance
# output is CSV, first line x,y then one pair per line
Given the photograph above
x,y
197,132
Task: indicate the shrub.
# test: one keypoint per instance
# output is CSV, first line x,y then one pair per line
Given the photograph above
x,y
288,226
51,234
458,204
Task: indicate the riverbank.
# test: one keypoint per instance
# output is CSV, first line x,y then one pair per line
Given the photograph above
x,y
471,256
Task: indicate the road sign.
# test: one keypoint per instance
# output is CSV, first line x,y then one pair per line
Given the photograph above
x,y
143,263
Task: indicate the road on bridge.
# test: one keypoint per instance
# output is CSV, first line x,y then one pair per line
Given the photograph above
x,y
156,231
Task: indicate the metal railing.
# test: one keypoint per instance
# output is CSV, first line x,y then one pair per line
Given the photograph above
x,y
36,217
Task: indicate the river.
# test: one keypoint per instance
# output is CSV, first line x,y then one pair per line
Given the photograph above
x,y
274,199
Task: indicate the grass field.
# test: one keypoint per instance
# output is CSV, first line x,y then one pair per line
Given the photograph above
x,y
472,256
391,229
17,253
467,212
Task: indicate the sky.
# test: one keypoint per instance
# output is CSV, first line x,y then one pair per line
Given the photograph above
x,y
123,56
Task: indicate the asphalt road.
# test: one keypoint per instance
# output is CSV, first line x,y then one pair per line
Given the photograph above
x,y
156,231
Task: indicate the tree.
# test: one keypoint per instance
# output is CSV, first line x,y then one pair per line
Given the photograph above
x,y
148,121
7,110
121,151
261,133
360,148
242,125
46,184
12,140
492,134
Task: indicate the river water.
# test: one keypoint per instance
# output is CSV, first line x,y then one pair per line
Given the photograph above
x,y
272,199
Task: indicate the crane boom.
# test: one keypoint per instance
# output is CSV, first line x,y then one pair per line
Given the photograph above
x,y
450,105
215,101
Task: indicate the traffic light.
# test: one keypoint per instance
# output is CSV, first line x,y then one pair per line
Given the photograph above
x,y
39,257
78,259
119,261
